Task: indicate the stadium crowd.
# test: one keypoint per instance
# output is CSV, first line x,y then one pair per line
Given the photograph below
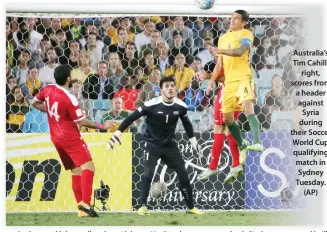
x,y
118,63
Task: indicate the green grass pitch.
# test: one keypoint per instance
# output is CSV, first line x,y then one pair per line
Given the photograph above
x,y
220,218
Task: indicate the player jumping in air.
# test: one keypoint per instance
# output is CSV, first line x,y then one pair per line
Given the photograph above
x,y
162,116
220,130
234,51
63,113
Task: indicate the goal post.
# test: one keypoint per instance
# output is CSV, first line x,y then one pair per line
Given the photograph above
x,y
35,179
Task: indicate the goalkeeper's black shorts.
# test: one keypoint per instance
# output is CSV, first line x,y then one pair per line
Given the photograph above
x,y
169,154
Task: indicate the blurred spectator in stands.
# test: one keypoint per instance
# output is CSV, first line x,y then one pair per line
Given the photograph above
x,y
288,104
17,108
41,57
35,120
75,30
274,98
84,67
46,72
286,46
98,86
265,55
164,60
23,40
148,63
178,24
20,72
153,45
11,54
71,54
200,31
118,113
194,97
55,24
120,47
130,60
32,84
200,74
180,47
84,129
11,83
26,37
60,44
115,71
97,50
151,89
8,71
129,91
144,38
42,24
183,74
125,23
77,91
203,52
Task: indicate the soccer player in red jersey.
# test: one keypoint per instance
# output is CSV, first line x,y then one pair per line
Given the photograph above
x,y
220,130
64,113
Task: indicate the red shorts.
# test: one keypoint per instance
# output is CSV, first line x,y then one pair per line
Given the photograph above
x,y
73,153
218,114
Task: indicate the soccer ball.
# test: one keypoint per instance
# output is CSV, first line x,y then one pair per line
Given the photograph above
x,y
205,4
158,190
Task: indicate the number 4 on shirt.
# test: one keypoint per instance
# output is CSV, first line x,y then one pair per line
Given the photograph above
x,y
53,111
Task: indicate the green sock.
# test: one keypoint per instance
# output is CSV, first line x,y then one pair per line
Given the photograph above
x,y
234,129
255,127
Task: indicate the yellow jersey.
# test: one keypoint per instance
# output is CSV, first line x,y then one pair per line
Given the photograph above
x,y
237,68
78,74
183,77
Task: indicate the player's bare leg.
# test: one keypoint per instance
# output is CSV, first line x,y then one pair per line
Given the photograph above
x,y
217,147
235,131
248,108
236,168
77,188
87,182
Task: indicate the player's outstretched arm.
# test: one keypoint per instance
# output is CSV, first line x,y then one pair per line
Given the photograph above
x,y
190,133
216,72
89,124
38,104
123,126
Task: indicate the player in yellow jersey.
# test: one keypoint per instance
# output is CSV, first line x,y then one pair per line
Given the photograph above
x,y
233,52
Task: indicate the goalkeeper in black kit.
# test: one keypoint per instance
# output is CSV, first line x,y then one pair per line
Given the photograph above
x,y
162,116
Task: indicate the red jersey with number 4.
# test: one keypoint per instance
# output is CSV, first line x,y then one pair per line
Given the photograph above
x,y
63,112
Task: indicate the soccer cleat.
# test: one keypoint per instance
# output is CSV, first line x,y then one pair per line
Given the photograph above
x,y
82,214
143,211
233,174
88,209
243,151
207,173
255,147
195,211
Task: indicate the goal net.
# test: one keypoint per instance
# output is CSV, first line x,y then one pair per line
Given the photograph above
x,y
116,59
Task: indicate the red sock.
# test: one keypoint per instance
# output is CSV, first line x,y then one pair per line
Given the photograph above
x,y
77,187
87,182
233,146
217,147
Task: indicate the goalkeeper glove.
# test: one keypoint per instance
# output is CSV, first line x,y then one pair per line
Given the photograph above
x,y
196,146
114,139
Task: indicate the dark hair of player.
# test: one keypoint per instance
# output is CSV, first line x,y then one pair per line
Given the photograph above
x,y
170,78
61,73
244,14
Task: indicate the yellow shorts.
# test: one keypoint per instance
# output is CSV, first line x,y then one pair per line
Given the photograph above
x,y
235,93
